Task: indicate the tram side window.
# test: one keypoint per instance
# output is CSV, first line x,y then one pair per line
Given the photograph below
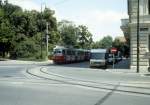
x,y
63,52
57,52
68,52
79,53
73,52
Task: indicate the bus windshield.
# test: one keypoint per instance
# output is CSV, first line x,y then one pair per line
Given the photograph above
x,y
97,55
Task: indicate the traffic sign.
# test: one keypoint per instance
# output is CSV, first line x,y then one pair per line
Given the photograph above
x,y
113,50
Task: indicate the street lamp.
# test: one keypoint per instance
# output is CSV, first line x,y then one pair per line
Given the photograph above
x,y
138,26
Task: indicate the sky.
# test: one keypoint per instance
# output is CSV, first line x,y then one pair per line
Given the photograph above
x,y
102,17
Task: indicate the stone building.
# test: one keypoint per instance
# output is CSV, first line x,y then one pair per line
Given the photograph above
x,y
129,28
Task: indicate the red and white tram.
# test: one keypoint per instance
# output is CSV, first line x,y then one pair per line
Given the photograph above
x,y
68,55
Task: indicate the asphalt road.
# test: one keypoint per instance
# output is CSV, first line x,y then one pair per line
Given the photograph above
x,y
11,71
71,84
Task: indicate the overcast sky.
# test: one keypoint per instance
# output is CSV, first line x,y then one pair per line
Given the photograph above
x,y
102,17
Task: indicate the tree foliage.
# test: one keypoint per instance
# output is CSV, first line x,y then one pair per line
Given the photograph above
x,y
68,33
106,42
23,32
84,37
20,31
75,36
122,46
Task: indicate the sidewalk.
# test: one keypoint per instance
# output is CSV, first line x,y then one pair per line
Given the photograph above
x,y
124,64
123,67
128,71
121,70
19,62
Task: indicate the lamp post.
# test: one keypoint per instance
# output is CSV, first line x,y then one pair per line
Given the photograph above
x,y
138,26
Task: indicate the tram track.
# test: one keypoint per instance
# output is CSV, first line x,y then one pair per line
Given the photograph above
x,y
109,84
90,86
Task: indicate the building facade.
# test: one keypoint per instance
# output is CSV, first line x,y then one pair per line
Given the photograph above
x,y
129,28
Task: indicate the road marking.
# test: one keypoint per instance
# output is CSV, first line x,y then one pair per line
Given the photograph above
x,y
108,82
90,86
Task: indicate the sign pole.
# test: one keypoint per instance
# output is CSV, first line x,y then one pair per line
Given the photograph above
x,y
113,51
113,61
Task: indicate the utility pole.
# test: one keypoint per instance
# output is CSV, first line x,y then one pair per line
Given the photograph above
x,y
138,26
47,37
41,33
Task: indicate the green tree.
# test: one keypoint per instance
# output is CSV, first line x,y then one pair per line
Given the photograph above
x,y
106,42
6,28
68,33
6,34
84,37
0,3
9,9
122,46
26,49
20,31
96,45
49,18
